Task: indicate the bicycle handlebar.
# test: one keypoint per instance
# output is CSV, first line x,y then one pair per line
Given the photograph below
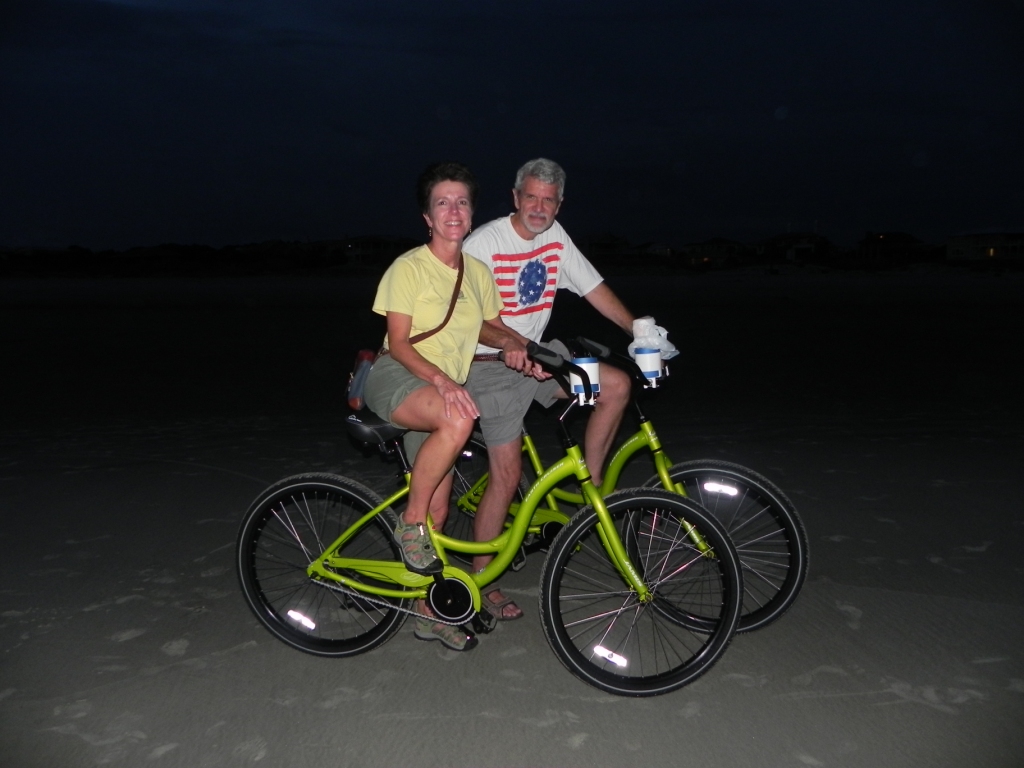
x,y
617,359
545,355
556,362
595,348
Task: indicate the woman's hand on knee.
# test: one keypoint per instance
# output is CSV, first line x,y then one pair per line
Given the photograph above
x,y
457,397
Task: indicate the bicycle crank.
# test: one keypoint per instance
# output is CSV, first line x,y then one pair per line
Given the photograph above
x,y
450,599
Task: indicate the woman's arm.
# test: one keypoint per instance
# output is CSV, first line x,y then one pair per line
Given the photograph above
x,y
399,326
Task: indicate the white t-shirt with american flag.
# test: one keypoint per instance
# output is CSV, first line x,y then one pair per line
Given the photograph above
x,y
528,272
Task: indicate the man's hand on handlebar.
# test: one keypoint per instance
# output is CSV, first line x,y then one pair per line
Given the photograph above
x,y
516,358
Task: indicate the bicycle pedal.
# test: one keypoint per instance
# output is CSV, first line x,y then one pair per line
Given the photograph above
x,y
483,623
519,561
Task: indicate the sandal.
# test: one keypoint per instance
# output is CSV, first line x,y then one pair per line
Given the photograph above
x,y
417,551
452,637
497,607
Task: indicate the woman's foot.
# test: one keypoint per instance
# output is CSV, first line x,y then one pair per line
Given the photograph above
x,y
455,638
417,551
500,607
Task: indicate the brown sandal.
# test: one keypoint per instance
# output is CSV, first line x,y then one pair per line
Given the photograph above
x,y
497,607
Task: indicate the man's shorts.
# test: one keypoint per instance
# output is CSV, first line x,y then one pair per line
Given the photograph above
x,y
504,396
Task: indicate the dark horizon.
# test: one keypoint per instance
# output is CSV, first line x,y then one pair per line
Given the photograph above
x,y
134,123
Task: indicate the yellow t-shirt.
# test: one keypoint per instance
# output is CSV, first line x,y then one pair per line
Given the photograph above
x,y
418,284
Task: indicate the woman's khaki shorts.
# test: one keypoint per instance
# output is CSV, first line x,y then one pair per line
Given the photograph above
x,y
387,386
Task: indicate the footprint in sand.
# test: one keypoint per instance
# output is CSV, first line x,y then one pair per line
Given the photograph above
x,y
979,548
691,710
128,634
252,750
749,681
576,740
852,613
74,710
175,647
806,759
339,696
808,677
160,751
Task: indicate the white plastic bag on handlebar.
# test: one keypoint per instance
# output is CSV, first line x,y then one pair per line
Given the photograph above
x,y
647,335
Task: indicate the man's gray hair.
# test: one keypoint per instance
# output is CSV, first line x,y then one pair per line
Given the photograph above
x,y
542,169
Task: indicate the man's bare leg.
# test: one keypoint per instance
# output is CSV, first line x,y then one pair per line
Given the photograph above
x,y
504,469
604,422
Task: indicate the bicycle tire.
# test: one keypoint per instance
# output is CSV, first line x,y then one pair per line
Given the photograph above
x,y
763,525
289,525
471,464
594,622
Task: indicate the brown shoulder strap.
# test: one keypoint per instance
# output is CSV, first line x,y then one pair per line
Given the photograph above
x,y
451,306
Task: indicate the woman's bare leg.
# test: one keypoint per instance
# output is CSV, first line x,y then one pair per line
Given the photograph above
x,y
423,410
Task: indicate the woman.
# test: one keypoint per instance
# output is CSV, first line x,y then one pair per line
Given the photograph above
x,y
418,384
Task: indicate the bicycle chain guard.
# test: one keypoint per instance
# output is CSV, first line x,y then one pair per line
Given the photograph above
x,y
385,603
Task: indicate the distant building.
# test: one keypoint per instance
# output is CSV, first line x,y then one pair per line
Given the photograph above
x,y
606,251
795,248
887,249
986,246
372,252
716,253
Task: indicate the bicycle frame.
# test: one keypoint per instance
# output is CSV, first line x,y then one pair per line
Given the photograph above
x,y
504,547
644,438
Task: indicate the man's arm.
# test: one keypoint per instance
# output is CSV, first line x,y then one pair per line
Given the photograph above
x,y
494,333
604,300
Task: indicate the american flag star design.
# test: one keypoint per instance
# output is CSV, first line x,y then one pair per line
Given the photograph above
x,y
526,281
532,279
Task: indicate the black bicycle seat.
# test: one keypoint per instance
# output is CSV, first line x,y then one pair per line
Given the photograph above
x,y
368,427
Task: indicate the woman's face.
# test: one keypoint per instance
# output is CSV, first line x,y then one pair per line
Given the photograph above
x,y
450,213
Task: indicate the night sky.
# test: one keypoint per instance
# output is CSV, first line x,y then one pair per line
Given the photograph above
x,y
138,122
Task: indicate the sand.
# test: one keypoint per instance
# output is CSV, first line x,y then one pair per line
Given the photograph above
x,y
142,417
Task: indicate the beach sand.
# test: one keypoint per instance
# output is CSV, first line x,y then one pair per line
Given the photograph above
x,y
142,417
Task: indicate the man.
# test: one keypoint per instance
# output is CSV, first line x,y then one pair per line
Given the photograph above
x,y
531,256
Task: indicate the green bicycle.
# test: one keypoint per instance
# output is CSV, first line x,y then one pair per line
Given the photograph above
x,y
762,522
640,593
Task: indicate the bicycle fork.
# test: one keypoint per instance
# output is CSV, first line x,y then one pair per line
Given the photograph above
x,y
613,545
663,464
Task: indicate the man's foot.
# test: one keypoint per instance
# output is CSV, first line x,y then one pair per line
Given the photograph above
x,y
500,607
417,551
455,638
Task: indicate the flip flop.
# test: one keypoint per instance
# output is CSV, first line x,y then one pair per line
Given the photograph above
x,y
497,608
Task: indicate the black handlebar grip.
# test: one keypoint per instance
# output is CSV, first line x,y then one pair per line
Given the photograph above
x,y
594,347
544,355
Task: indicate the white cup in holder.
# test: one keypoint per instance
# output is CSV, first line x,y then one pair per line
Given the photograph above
x,y
649,361
590,365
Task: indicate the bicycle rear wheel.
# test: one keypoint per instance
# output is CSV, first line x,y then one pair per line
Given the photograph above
x,y
764,526
287,527
596,625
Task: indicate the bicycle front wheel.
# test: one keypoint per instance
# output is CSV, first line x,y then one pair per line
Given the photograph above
x,y
286,528
764,526
594,621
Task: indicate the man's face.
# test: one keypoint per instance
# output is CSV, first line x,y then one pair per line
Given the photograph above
x,y
537,204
